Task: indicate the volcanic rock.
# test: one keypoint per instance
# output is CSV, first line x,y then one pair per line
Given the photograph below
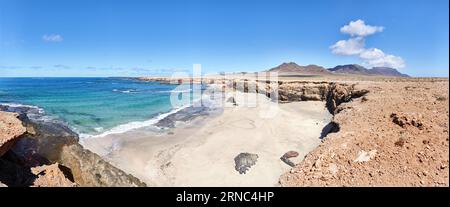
x,y
244,161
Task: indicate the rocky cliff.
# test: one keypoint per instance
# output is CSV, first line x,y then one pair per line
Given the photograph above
x,y
10,131
43,153
396,135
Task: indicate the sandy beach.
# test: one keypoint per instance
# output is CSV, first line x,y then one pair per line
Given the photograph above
x,y
202,152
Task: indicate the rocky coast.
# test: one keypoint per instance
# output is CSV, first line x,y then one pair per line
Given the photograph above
x,y
40,153
382,132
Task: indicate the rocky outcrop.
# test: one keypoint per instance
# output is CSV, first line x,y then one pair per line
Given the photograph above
x,y
14,175
407,119
50,142
301,91
396,136
10,130
341,93
89,169
52,176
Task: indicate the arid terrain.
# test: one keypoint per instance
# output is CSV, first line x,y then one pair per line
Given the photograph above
x,y
396,135
385,131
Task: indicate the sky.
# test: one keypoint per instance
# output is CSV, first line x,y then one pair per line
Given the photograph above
x,y
134,38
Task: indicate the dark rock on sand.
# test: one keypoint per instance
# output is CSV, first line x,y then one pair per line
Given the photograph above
x,y
287,155
290,154
244,161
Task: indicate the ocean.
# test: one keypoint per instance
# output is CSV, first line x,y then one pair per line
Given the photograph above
x,y
93,106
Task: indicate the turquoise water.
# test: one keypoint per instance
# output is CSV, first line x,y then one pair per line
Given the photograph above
x,y
91,105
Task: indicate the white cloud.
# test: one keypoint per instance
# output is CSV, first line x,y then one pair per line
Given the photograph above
x,y
52,38
61,66
359,28
374,57
372,53
352,46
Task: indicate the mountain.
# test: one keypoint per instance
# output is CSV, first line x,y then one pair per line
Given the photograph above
x,y
360,70
387,72
292,67
350,69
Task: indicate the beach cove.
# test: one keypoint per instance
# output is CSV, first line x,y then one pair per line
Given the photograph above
x,y
202,153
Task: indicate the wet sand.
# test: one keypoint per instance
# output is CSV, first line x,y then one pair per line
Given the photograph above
x,y
202,152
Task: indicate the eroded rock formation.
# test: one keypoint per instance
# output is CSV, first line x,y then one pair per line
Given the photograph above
x,y
396,136
52,176
10,130
29,159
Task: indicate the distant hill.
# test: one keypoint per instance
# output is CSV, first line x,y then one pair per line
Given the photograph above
x,y
292,67
350,69
387,72
360,70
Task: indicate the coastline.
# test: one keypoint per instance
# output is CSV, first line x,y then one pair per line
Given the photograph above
x,y
347,155
50,149
201,153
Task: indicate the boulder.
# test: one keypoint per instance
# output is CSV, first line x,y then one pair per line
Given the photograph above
x,y
407,119
244,161
53,142
290,154
287,155
11,130
52,176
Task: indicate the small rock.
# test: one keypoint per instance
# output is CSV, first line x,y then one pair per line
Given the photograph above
x,y
287,161
333,168
287,155
404,119
244,161
290,154
364,156
400,142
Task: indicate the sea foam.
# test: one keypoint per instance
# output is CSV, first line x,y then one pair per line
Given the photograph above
x,y
133,125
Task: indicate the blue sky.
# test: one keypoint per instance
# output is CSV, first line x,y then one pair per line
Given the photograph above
x,y
133,38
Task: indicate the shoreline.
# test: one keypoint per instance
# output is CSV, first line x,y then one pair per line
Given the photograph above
x,y
198,153
379,129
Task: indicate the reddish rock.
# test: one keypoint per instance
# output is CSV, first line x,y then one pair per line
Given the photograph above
x,y
51,176
405,155
405,119
290,154
10,130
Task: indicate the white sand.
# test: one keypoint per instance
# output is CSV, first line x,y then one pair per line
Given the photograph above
x,y
203,153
